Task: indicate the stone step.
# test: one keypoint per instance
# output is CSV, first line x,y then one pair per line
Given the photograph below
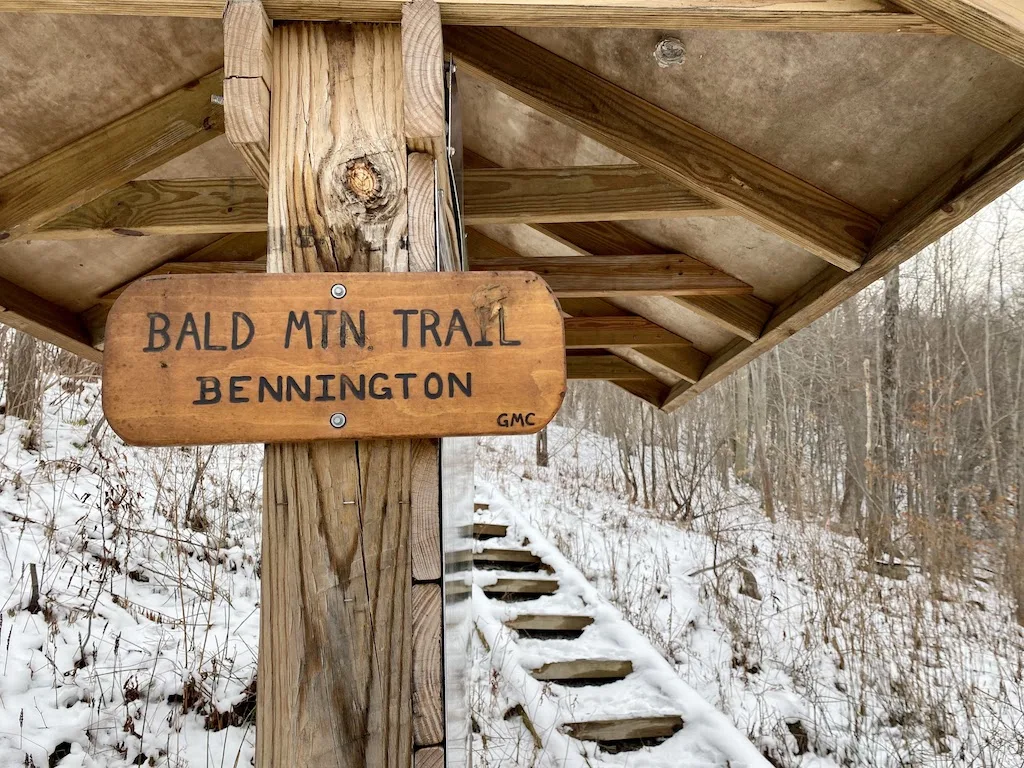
x,y
583,671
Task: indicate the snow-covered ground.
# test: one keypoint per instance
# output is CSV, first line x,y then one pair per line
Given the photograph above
x,y
824,665
142,646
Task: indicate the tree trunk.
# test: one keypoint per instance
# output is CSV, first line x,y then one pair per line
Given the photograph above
x,y
24,383
542,448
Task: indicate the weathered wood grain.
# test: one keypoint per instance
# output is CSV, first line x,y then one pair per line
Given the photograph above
x,y
995,24
425,536
682,152
107,158
248,71
777,15
166,207
429,757
427,685
594,193
422,213
423,58
336,629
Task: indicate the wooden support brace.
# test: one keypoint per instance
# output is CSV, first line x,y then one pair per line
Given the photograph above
x,y
45,320
247,77
107,158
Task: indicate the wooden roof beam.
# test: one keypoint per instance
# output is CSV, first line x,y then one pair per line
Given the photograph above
x,y
796,15
602,366
166,207
531,195
672,362
597,193
995,24
744,316
618,330
639,275
34,315
107,158
654,137
990,170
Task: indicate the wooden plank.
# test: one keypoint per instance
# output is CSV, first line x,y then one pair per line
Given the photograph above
x,y
423,60
684,153
496,555
990,170
425,533
422,213
480,506
602,367
392,355
650,389
337,630
995,24
49,322
688,362
594,193
427,684
624,330
625,729
540,622
583,669
248,71
107,158
166,207
792,15
251,246
596,276
506,586
429,757
744,316
489,530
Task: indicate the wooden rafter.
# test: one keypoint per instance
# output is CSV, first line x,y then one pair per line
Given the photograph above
x,y
107,158
788,15
228,250
602,366
617,330
682,152
990,170
671,362
640,275
166,207
598,193
744,316
247,75
24,310
226,205
995,24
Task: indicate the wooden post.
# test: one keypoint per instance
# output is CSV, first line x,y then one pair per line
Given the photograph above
x,y
336,630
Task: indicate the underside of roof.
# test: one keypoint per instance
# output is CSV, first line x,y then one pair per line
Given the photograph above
x,y
696,182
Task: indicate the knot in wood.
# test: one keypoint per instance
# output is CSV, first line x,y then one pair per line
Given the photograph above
x,y
363,182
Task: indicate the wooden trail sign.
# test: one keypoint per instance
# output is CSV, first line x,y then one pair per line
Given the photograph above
x,y
294,357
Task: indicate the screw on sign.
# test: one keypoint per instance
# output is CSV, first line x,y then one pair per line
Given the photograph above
x,y
296,357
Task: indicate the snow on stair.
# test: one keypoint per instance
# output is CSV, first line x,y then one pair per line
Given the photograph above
x,y
585,687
